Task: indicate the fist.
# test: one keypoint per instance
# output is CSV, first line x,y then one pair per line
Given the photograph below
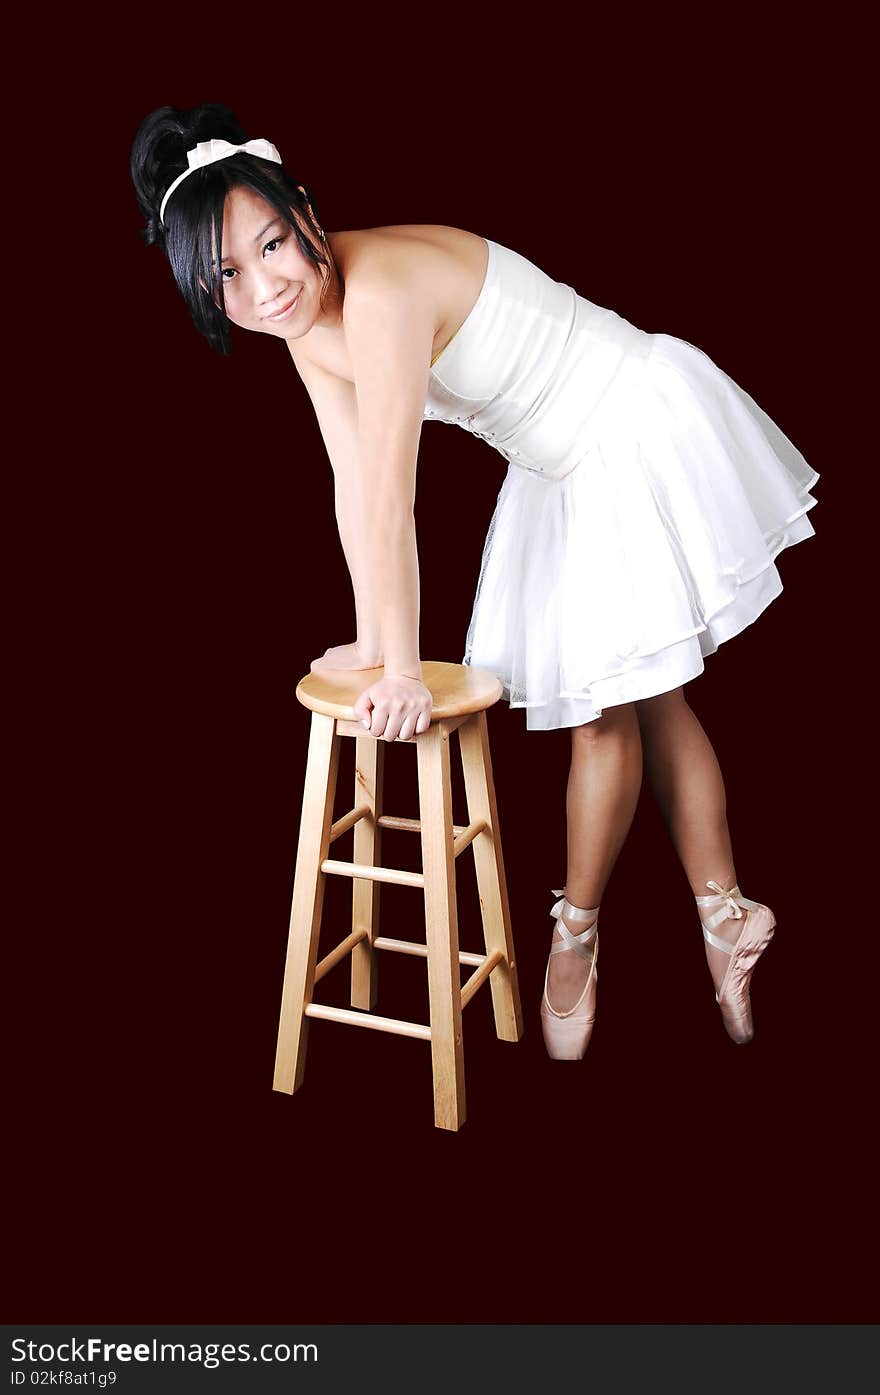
x,y
395,708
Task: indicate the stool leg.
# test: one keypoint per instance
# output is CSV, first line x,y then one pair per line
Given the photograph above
x,y
441,920
476,762
308,899
368,780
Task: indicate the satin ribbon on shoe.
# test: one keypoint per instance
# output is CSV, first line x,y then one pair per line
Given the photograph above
x,y
577,915
734,904
733,994
566,1034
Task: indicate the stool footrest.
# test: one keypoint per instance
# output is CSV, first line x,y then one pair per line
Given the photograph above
x,y
342,949
412,825
372,874
368,1019
467,835
344,824
346,821
413,947
490,961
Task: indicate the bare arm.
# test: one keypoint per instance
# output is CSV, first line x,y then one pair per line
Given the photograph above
x,y
389,330
335,404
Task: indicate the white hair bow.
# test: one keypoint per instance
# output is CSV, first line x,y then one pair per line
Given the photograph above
x,y
207,151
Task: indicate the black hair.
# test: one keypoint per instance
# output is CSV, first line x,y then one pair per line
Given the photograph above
x,y
195,209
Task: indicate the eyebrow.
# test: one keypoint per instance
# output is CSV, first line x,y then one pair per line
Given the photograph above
x,y
260,234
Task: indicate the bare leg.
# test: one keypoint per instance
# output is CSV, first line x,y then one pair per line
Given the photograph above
x,y
603,790
686,779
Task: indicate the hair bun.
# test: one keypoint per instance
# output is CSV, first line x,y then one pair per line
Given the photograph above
x,y
158,152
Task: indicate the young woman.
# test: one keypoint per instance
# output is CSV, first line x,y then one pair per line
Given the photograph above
x,y
646,498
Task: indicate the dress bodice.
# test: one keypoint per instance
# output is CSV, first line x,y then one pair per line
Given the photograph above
x,y
530,365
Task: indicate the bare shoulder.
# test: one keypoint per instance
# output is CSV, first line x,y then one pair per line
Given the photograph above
x,y
426,275
411,255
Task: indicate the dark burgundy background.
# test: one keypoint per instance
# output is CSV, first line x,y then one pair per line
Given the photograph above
x,y
184,569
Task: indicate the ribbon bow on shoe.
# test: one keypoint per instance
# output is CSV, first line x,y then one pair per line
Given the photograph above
x,y
733,995
567,1034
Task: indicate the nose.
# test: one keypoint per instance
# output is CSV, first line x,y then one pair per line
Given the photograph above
x,y
269,291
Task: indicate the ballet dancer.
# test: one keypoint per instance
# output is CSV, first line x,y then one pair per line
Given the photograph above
x,y
646,498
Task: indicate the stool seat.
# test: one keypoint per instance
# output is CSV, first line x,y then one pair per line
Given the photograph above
x,y
457,690
461,696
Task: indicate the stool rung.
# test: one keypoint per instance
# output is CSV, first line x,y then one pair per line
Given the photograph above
x,y
406,825
344,824
463,835
467,836
412,825
480,975
342,949
413,947
368,1019
372,874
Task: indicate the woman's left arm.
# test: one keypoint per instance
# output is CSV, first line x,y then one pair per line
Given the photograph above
x,y
389,329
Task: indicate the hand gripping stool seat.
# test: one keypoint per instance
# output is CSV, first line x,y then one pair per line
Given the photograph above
x,y
461,695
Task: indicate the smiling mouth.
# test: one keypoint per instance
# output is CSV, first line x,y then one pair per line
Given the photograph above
x,y
279,314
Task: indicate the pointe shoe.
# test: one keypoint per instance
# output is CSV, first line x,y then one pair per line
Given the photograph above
x,y
757,932
566,1034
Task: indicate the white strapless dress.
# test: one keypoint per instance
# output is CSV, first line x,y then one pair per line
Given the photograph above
x,y
646,498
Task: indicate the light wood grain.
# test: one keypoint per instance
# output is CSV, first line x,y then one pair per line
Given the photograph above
x,y
461,697
369,777
491,882
394,876
339,952
414,947
441,919
322,765
456,690
396,1025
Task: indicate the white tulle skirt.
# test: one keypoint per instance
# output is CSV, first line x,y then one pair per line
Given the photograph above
x,y
615,581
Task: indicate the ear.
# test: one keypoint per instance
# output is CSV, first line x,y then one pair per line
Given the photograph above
x,y
304,193
207,292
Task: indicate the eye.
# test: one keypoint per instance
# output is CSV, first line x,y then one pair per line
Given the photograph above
x,y
273,242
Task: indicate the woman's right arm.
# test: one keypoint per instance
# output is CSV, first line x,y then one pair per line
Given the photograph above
x,y
335,403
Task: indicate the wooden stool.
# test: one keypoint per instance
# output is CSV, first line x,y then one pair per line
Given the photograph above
x,y
461,695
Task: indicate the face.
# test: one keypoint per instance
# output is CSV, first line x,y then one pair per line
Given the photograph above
x,y
263,270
